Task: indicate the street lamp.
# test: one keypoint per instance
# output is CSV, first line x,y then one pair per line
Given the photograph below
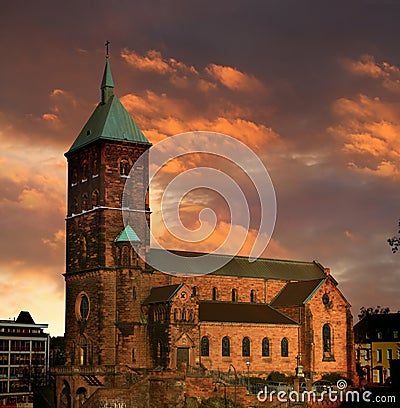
x,y
234,395
216,389
248,376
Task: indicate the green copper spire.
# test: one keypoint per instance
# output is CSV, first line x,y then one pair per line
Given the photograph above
x,y
110,120
107,84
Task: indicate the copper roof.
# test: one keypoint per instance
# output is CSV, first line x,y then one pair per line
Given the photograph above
x,y
296,293
240,266
162,294
241,313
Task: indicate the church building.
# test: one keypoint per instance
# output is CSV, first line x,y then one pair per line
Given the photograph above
x,y
124,319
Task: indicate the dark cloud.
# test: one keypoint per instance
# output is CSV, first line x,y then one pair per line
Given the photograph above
x,y
309,77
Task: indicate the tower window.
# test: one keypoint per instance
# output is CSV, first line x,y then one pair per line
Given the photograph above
x,y
205,346
84,171
95,198
133,356
265,347
83,251
75,209
284,347
84,202
252,296
95,167
126,258
246,347
214,293
74,179
226,347
124,168
195,291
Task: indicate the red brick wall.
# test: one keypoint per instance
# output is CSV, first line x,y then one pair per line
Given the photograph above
x,y
255,332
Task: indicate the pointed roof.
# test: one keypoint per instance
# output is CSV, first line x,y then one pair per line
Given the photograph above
x,y
25,317
297,293
162,294
127,235
107,77
110,120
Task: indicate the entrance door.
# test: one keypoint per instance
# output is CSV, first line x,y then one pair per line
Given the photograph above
x,y
182,356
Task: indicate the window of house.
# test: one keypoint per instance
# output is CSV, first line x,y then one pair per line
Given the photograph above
x,y
195,291
379,356
226,347
252,296
246,347
326,338
389,354
133,356
234,295
379,335
284,347
83,251
265,347
214,293
134,293
395,334
205,346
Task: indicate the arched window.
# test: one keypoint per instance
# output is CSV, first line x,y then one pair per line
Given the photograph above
x,y
84,171
175,315
246,347
75,209
83,251
124,168
81,396
134,293
214,293
95,198
126,258
252,296
84,202
74,179
326,336
284,347
195,291
234,295
226,347
205,346
133,356
95,167
265,347
183,314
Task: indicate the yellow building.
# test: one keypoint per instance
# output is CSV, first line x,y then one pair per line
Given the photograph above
x,y
377,339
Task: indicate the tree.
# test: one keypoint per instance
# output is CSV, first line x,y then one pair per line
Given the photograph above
x,y
394,242
372,311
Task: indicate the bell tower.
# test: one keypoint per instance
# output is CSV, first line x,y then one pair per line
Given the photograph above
x,y
106,281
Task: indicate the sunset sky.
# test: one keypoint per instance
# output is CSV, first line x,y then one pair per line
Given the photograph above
x,y
313,87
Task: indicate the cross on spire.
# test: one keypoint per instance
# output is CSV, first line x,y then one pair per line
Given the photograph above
x,y
107,49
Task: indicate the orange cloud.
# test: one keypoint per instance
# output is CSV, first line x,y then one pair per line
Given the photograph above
x,y
233,78
369,67
369,130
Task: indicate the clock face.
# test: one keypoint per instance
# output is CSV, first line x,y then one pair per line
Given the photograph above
x,y
325,299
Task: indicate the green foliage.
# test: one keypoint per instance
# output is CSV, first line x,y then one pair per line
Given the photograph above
x,y
276,376
218,402
192,402
372,311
